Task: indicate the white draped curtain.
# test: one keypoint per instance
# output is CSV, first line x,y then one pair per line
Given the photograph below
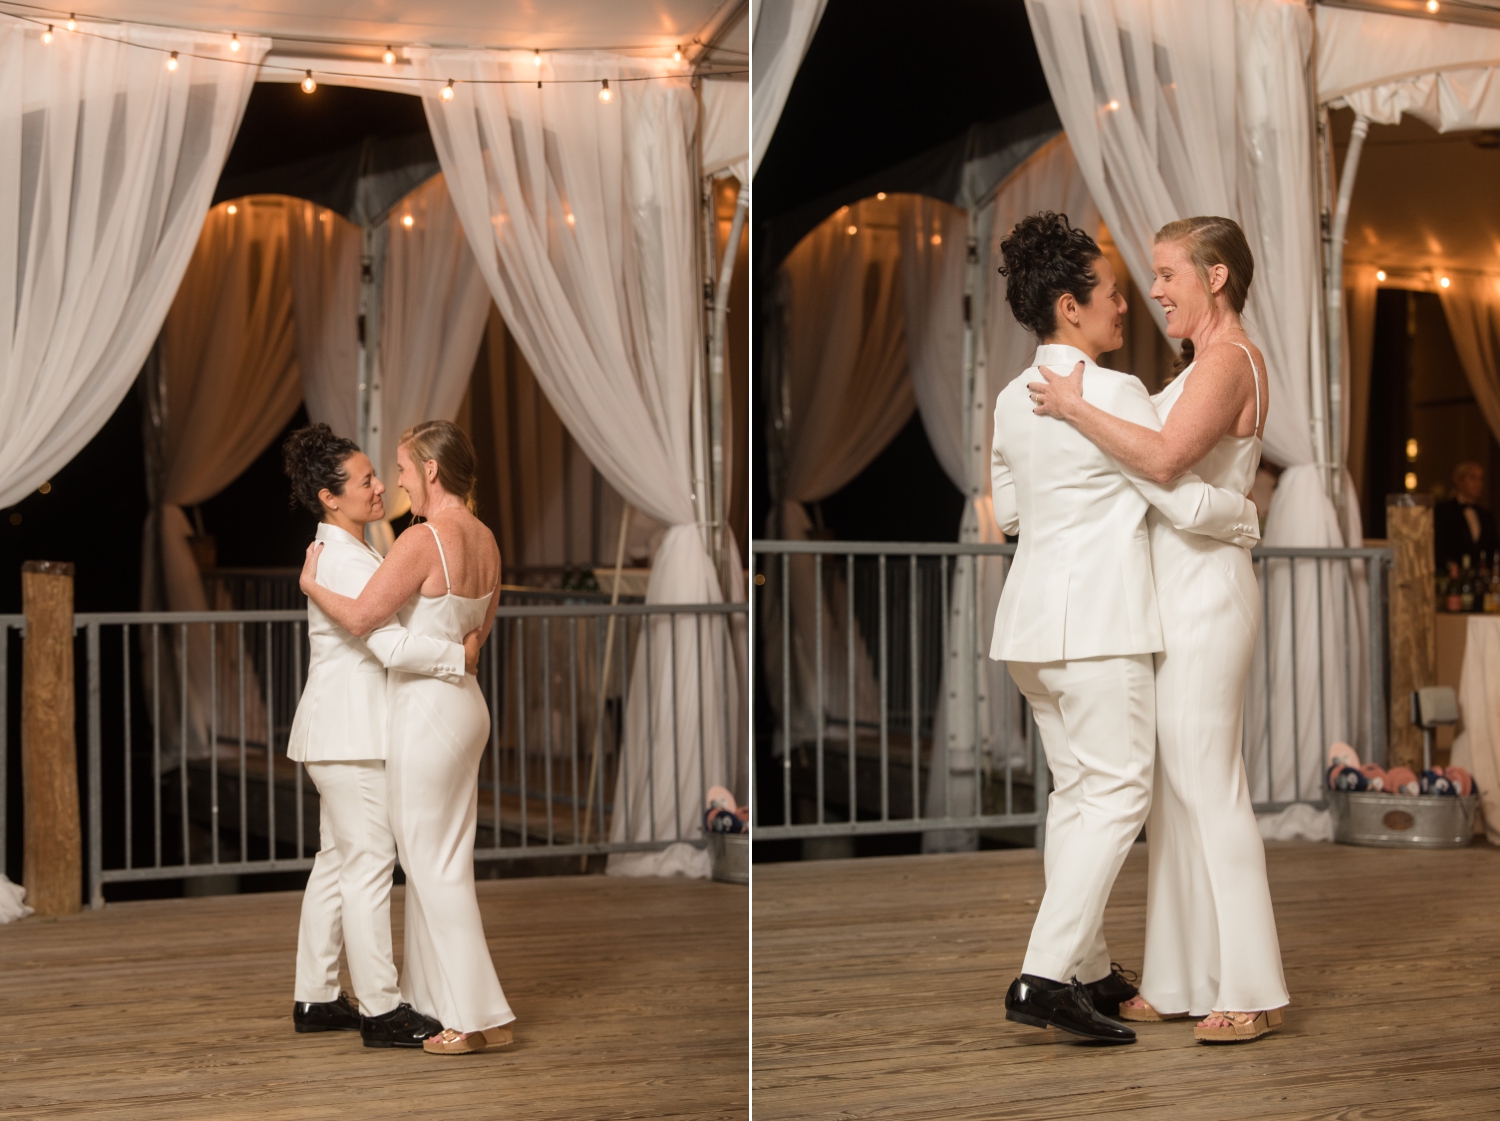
x,y
582,215
107,165
324,260
1472,307
780,31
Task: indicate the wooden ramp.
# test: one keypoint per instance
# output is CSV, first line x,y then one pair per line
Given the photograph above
x,y
631,997
879,988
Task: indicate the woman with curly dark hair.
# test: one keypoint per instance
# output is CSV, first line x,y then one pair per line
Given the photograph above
x,y
1078,620
339,734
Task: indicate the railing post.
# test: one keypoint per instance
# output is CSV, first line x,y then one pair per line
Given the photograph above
x,y
96,793
49,763
1375,571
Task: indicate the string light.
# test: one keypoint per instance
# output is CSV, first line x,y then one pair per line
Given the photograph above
x,y
234,42
407,220
389,58
172,61
571,219
1411,449
308,85
447,93
1443,282
1411,480
47,35
536,57
880,195
232,209
604,94
852,230
1432,6
72,22
1379,274
677,54
936,239
1113,105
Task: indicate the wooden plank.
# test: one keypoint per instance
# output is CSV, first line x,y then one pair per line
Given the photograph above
x,y
49,753
879,988
1413,625
632,998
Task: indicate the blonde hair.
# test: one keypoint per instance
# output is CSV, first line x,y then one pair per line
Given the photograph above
x,y
1213,241
445,444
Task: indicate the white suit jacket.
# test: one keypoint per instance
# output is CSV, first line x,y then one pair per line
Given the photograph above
x,y
342,712
1081,584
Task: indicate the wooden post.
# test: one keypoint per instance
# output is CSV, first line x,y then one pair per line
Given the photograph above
x,y
1413,623
53,869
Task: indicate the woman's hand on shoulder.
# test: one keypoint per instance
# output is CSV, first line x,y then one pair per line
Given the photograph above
x,y
1058,395
309,578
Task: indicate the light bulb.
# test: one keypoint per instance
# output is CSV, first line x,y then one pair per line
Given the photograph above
x,y
1379,274
852,230
234,42
407,221
1411,480
677,54
571,219
232,209
1432,6
536,57
172,61
880,195
1443,282
604,94
47,36
389,58
936,239
447,91
308,85
1411,449
1113,104
72,22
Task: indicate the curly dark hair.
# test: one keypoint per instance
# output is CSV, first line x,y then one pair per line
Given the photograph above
x,y
314,458
1044,258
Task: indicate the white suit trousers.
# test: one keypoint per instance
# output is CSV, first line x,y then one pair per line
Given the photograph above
x,y
1097,718
347,902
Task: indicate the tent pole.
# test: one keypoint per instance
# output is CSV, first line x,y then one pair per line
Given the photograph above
x,y
367,418
716,347
1335,326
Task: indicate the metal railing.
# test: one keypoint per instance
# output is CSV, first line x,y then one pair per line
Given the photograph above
x,y
889,717
184,720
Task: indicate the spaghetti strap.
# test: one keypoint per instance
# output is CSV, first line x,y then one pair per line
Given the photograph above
x,y
1255,375
444,557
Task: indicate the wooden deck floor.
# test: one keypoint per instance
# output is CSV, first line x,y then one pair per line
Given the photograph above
x,y
879,987
632,998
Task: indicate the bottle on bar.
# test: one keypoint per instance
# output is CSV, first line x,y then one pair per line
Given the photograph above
x,y
1449,595
1466,586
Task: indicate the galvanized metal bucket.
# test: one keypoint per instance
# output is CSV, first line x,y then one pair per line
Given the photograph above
x,y
1423,821
731,855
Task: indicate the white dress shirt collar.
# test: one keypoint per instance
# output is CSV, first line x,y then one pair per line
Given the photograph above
x,y
1061,358
329,533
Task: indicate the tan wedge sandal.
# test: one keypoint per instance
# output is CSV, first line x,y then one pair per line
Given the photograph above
x,y
450,1042
1148,1015
1242,1027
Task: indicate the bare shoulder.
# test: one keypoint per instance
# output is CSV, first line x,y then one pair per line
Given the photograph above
x,y
1226,360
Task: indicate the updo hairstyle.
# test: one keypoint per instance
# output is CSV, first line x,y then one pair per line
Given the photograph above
x,y
1209,241
314,458
1046,257
445,443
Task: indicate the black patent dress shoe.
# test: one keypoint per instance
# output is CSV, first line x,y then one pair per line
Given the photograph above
x,y
1113,990
1051,1004
402,1026
326,1015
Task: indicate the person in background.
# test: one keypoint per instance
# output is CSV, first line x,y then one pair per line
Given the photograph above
x,y
1461,527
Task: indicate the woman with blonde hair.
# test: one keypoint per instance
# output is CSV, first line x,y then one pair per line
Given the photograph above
x,y
1211,945
439,579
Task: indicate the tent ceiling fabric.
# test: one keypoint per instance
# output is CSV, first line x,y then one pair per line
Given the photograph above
x,y
655,25
1360,50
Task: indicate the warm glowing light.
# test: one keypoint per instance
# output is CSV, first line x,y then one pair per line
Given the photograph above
x,y
1113,104
536,57
852,230
234,43
677,54
880,195
47,36
604,94
1443,282
1411,449
172,61
1379,274
72,22
1432,6
570,218
45,488
308,85
323,217
232,209
447,94
408,221
936,239
1411,480
389,58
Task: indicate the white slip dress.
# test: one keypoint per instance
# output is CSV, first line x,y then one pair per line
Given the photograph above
x,y
1211,941
437,735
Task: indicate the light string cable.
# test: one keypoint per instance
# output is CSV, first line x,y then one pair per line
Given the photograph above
x,y
445,84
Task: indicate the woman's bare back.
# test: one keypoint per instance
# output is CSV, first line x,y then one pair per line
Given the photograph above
x,y
470,550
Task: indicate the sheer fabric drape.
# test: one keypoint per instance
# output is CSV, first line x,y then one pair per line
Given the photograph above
x,y
582,215
224,386
1472,307
323,257
1184,107
780,32
107,165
